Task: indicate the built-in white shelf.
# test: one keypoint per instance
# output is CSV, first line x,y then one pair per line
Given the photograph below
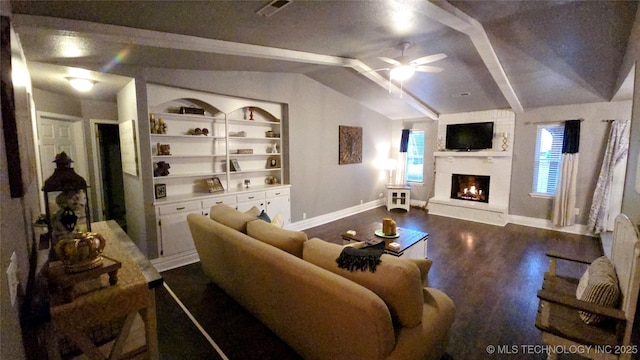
x,y
253,170
183,156
194,137
253,122
189,175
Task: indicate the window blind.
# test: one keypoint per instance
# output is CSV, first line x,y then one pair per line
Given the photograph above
x,y
548,155
415,156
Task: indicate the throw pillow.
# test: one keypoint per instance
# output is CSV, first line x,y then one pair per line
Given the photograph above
x,y
424,265
278,220
286,240
598,285
263,216
396,281
226,215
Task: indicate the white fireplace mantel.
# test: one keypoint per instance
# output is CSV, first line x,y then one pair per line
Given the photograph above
x,y
494,162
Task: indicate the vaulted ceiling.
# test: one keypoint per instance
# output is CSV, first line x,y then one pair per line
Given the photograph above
x,y
500,54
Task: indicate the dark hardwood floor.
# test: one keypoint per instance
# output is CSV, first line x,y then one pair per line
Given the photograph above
x,y
491,273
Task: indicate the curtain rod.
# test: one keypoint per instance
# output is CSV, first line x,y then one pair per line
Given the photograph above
x,y
548,122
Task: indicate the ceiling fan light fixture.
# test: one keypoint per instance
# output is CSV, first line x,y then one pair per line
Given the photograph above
x,y
402,72
82,85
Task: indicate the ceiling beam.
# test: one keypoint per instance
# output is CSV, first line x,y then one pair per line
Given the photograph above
x,y
450,16
133,36
124,35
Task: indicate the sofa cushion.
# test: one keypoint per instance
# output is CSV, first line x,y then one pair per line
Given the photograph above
x,y
424,265
286,240
254,211
397,281
226,215
599,285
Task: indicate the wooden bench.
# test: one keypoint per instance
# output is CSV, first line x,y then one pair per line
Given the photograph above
x,y
558,318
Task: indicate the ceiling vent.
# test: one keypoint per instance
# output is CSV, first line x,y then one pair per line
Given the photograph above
x,y
273,7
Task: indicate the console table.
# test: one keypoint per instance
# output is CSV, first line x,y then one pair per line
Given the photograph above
x,y
114,321
398,196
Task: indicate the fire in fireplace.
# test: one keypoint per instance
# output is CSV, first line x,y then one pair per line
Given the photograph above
x,y
470,187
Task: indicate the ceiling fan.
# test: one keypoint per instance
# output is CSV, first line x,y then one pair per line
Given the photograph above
x,y
404,68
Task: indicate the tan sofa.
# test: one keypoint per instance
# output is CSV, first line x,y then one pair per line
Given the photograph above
x,y
294,286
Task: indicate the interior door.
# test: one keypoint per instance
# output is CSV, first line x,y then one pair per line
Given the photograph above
x,y
57,133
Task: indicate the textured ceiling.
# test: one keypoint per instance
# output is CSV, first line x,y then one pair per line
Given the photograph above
x,y
549,53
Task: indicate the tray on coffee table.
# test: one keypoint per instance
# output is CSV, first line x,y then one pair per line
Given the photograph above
x,y
407,238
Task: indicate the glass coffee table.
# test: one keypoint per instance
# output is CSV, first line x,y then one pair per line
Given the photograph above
x,y
413,243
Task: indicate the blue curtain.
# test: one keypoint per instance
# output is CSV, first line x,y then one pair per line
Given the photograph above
x,y
404,140
571,137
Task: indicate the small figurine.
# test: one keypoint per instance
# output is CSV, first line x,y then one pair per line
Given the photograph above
x,y
162,169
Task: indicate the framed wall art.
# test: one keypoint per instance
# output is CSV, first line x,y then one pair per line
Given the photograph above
x,y
9,122
350,148
161,191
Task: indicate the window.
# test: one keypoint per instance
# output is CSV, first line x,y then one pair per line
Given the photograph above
x,y
415,156
547,158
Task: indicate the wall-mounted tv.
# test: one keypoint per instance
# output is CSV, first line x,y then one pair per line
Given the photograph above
x,y
471,136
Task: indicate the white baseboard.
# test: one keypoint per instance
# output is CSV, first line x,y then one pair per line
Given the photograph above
x,y
548,224
175,261
327,218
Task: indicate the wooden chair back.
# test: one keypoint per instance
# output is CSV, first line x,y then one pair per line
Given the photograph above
x,y
625,255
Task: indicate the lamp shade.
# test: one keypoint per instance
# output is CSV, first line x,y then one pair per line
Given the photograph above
x,y
66,201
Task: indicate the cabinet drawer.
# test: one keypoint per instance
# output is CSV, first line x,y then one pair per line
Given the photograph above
x,y
251,196
185,206
277,192
227,200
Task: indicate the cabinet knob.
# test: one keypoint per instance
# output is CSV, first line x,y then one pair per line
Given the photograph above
x,y
277,193
219,202
181,208
251,197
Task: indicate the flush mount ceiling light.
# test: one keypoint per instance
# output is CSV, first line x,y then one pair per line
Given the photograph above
x,y
82,85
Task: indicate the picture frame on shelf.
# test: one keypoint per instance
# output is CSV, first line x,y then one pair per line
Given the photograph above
x,y
215,185
273,162
235,166
160,191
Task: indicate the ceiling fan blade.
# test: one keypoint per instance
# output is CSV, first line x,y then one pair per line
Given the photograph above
x,y
426,68
427,59
390,61
374,70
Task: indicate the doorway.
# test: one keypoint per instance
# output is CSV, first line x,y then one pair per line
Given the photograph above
x,y
108,172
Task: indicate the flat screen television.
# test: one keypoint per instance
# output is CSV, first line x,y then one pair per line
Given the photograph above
x,y
471,136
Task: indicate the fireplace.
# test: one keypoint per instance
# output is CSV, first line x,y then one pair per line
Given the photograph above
x,y
470,187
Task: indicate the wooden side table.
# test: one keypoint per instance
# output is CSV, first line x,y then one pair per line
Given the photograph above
x,y
398,197
116,321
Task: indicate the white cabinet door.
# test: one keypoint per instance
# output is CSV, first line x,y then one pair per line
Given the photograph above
x,y
175,236
279,205
244,206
